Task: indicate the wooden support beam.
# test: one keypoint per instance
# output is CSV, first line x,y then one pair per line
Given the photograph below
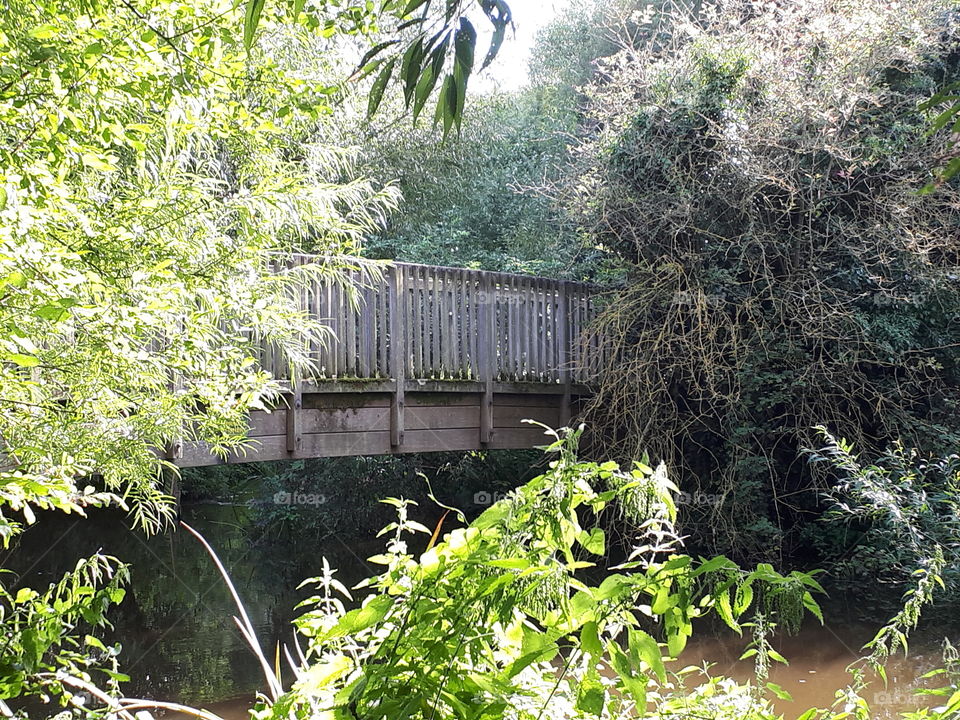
x,y
294,424
487,352
398,323
174,450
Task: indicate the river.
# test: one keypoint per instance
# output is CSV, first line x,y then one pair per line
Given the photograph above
x,y
179,643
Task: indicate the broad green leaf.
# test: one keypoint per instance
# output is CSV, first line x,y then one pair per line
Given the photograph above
x,y
593,541
713,564
429,77
628,676
410,67
644,647
44,32
812,606
591,695
590,639
676,642
774,655
361,618
498,13
744,597
724,609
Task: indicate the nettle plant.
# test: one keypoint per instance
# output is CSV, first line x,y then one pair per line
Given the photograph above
x,y
500,619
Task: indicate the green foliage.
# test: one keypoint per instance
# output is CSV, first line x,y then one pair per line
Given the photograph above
x,y
499,620
147,189
47,651
154,173
913,506
900,508
754,172
425,41
470,202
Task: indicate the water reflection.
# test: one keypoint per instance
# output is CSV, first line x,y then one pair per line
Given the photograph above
x,y
175,624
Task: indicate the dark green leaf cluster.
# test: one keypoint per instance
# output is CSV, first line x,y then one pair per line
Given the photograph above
x,y
757,179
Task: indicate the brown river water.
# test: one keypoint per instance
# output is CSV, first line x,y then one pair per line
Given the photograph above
x,y
818,659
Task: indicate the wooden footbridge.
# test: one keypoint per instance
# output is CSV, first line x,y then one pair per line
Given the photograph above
x,y
426,359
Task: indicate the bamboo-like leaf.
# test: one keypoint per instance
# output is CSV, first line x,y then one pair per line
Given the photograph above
x,y
379,86
251,19
410,67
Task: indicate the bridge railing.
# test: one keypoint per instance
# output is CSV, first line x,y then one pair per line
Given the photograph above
x,y
424,322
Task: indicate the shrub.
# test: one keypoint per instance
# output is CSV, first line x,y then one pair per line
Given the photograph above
x,y
756,174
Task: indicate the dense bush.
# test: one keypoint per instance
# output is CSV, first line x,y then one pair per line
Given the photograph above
x,y
755,171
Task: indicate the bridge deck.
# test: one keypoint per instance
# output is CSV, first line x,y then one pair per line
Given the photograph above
x,y
426,359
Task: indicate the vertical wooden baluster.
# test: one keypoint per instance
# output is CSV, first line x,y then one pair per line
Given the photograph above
x,y
487,348
294,406
448,342
472,294
427,322
441,298
538,331
543,332
515,330
435,359
463,324
337,313
352,333
415,331
383,368
398,352
549,331
506,352
563,354
409,288
573,301
501,304
454,324
585,334
450,293
316,312
370,329
429,309
524,329
330,313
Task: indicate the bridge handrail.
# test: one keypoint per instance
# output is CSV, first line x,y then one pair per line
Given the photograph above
x,y
452,323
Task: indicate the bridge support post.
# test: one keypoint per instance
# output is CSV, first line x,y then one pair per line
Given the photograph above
x,y
398,366
487,352
294,405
